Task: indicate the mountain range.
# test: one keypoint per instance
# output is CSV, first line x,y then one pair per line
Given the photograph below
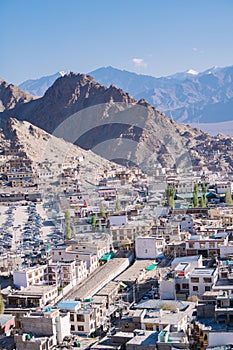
x,y
83,111
188,97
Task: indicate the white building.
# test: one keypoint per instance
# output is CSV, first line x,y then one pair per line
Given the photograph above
x,y
149,247
224,186
85,318
201,280
30,276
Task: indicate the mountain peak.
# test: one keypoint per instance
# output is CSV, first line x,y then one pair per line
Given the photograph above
x,y
192,72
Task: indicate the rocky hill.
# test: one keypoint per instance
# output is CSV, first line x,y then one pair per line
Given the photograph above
x,y
116,126
41,147
11,96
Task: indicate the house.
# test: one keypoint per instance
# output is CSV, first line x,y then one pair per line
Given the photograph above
x,y
43,330
85,317
149,247
30,276
202,280
32,296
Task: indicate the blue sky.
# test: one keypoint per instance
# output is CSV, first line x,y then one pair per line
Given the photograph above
x,y
155,37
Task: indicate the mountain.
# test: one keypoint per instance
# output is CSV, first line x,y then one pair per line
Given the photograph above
x,y
113,124
38,87
11,96
187,97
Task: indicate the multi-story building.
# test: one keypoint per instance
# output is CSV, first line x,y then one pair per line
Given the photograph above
x,y
30,276
43,330
149,247
85,317
205,246
66,253
201,280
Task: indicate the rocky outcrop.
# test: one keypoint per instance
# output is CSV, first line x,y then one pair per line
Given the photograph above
x,y
11,96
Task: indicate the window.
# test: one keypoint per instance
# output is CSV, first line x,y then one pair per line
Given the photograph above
x,y
194,279
191,245
80,328
185,286
195,288
207,288
72,328
207,280
145,251
72,317
80,318
202,245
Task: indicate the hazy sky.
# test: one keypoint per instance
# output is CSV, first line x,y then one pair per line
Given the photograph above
x,y
155,37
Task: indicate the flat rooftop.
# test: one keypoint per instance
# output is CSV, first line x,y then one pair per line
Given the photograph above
x,y
135,271
199,271
98,279
144,337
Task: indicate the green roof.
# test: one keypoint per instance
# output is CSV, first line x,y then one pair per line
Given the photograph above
x,y
151,267
107,256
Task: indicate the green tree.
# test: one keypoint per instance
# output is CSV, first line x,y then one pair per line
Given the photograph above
x,y
118,205
228,198
196,189
170,196
93,222
102,211
203,201
68,226
203,187
195,200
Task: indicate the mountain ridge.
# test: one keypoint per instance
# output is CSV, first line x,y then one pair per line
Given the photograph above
x,y
185,96
110,116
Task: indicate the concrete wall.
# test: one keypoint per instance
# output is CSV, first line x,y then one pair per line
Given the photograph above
x,y
167,289
220,338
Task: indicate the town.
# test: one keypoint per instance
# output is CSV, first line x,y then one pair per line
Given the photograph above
x,y
96,255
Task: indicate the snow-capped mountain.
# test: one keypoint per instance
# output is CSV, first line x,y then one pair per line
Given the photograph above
x,y
189,96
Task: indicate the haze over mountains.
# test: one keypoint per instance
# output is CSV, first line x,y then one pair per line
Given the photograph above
x,y
188,97
84,112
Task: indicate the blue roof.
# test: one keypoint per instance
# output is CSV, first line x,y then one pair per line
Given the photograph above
x,y
68,304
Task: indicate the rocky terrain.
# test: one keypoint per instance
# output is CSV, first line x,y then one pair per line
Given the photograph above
x,y
116,126
11,96
41,147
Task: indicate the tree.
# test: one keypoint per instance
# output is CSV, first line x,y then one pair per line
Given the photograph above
x,y
228,198
196,189
203,187
195,200
102,211
67,223
93,222
195,195
118,205
203,201
170,196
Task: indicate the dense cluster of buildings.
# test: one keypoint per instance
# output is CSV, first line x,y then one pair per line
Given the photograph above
x,y
120,269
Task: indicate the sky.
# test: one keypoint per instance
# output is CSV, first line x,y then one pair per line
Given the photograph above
x,y
153,37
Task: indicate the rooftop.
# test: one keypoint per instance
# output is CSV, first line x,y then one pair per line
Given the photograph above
x,y
144,337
